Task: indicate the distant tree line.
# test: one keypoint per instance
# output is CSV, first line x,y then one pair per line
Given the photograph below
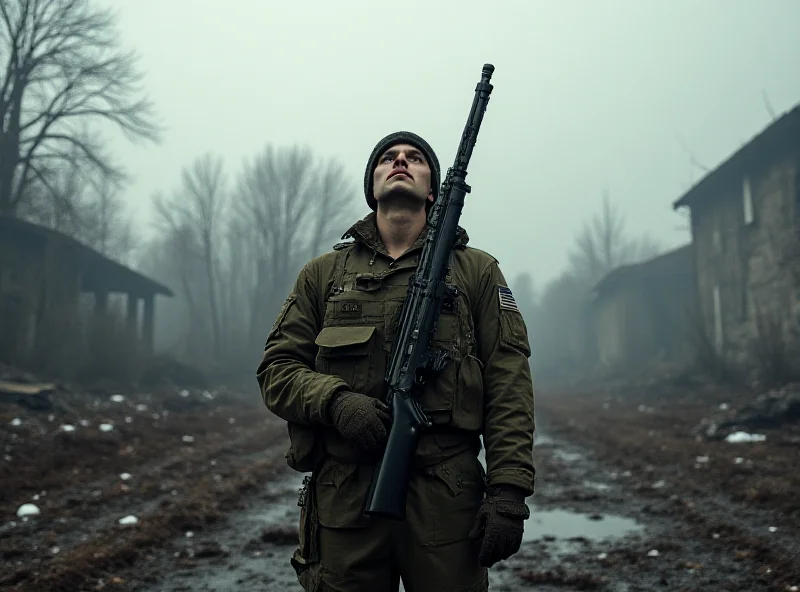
x,y
231,248
229,243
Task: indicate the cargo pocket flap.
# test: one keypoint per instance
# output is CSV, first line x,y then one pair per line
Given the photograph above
x,y
341,489
344,337
334,473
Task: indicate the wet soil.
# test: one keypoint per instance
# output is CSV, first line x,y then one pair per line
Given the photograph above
x,y
627,498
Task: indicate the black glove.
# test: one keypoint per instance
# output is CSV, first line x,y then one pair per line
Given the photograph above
x,y
500,524
362,419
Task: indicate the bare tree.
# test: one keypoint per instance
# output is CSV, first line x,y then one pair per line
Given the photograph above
x,y
196,212
56,204
241,259
62,70
84,204
105,223
332,209
292,208
602,245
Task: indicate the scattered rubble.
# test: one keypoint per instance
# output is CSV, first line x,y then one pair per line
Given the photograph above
x,y
769,410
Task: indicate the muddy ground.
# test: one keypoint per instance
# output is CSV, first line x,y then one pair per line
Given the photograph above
x,y
628,496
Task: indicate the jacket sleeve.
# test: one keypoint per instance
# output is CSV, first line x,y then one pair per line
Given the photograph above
x,y
503,348
290,387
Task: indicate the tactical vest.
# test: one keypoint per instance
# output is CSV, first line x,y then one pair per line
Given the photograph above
x,y
362,309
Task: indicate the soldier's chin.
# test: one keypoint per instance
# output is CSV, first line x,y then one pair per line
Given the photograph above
x,y
402,199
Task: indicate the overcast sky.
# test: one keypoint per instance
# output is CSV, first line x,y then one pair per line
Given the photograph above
x,y
588,95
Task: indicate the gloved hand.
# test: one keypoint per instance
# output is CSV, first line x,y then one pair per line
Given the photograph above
x,y
500,523
362,419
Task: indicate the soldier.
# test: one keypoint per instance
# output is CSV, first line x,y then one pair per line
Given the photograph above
x,y
323,372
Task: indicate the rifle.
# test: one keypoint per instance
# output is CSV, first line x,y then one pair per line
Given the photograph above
x,y
411,360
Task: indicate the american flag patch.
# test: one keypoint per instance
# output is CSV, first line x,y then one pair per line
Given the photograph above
x,y
507,301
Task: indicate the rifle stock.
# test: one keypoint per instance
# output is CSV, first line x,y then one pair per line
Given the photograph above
x,y
412,360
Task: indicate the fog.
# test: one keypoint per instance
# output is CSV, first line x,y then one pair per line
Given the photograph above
x,y
167,168
588,96
600,111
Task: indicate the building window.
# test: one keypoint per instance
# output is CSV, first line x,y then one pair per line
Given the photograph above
x,y
718,336
747,197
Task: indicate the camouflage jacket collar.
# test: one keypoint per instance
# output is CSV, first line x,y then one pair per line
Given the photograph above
x,y
365,231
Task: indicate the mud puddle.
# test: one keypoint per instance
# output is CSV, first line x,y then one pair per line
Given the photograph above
x,y
251,550
564,524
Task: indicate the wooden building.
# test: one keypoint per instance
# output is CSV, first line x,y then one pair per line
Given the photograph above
x,y
42,276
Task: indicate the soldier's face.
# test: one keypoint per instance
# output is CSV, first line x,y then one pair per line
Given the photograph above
x,y
404,172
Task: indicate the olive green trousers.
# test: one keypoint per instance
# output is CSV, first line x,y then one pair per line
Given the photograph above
x,y
343,550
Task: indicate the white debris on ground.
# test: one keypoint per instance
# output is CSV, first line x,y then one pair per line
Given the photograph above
x,y
67,428
184,393
26,510
744,437
128,520
106,427
652,553
188,439
773,528
125,476
16,422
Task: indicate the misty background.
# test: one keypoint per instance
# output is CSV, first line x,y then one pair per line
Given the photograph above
x,y
247,156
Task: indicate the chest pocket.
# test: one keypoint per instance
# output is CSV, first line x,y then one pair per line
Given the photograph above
x,y
345,352
347,342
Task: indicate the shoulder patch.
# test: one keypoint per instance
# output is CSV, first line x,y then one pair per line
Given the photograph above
x,y
506,299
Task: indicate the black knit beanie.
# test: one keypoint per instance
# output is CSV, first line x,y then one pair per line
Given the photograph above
x,y
388,142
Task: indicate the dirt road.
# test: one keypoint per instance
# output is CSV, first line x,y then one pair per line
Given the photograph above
x,y
217,510
588,530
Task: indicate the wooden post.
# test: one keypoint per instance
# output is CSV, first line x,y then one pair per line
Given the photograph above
x,y
147,326
133,326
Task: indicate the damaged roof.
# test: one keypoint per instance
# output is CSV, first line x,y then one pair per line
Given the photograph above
x,y
677,262
99,272
779,138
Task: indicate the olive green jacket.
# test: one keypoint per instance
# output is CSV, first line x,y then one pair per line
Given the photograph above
x,y
334,332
